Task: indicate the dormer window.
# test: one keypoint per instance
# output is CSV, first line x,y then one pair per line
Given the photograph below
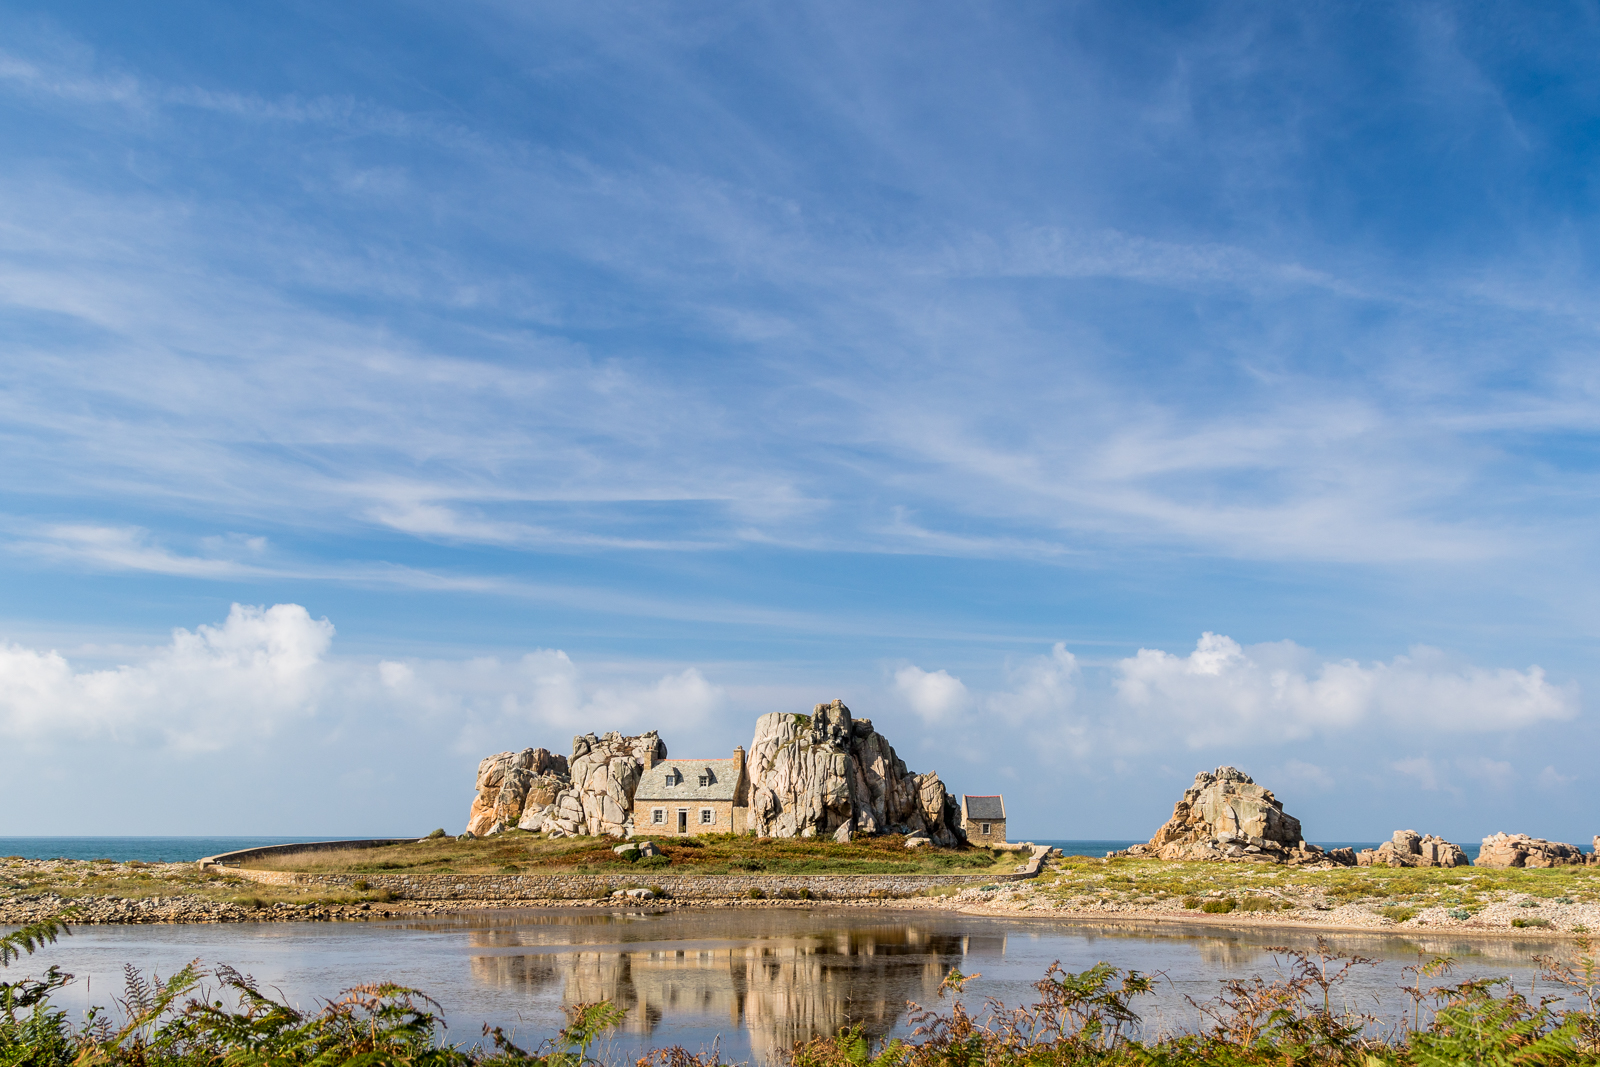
x,y
705,779
674,776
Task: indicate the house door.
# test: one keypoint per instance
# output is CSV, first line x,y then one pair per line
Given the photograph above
x,y
683,820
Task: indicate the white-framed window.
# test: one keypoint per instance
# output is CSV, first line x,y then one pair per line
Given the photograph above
x,y
674,776
985,829
658,816
707,816
705,779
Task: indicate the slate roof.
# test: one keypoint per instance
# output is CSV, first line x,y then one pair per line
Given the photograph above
x,y
990,808
653,783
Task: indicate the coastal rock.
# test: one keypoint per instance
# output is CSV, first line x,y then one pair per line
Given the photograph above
x,y
1225,815
1407,848
1520,850
827,772
504,781
605,773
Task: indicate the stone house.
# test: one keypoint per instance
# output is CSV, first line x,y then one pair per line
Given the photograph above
x,y
984,820
679,797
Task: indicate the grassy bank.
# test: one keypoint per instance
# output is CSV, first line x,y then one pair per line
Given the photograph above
x,y
1263,887
518,852
90,880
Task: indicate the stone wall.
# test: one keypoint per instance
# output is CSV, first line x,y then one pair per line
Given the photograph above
x,y
245,855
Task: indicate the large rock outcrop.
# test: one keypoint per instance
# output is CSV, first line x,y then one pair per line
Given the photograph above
x,y
829,774
1226,815
1520,850
504,782
1407,848
605,773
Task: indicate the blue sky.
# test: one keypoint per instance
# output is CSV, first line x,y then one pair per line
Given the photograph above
x,y
1089,394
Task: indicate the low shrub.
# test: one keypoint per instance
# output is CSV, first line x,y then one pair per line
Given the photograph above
x,y
755,892
655,861
1522,924
1219,906
1398,913
1258,904
1191,902
360,885
437,834
1460,914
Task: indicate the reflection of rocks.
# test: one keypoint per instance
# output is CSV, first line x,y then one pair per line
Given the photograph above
x,y
780,989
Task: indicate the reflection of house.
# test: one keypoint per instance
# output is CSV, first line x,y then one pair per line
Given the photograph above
x,y
984,820
780,989
691,796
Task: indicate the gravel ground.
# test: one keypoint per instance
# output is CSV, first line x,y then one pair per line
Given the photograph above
x,y
101,892
1538,916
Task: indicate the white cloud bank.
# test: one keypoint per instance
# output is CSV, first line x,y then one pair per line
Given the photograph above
x,y
265,669
1224,693
220,684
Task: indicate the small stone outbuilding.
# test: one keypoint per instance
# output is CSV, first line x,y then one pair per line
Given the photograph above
x,y
682,797
984,820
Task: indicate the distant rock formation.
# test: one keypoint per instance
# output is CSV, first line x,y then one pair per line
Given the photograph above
x,y
504,782
831,774
1520,850
1408,849
1225,815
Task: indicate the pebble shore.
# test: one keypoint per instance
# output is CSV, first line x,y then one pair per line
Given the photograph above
x,y
32,890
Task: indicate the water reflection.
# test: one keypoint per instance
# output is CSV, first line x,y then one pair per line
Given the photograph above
x,y
755,980
780,988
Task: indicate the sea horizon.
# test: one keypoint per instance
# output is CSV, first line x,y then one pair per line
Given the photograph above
x,y
186,848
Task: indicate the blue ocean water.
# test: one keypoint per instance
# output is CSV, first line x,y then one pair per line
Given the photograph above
x,y
1100,848
148,849
189,849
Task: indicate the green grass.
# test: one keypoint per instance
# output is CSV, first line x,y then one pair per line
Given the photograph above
x,y
532,854
91,879
1082,879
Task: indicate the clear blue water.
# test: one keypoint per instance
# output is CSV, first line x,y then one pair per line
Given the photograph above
x,y
189,849
1100,848
147,849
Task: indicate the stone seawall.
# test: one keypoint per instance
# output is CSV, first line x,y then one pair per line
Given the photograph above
x,y
596,886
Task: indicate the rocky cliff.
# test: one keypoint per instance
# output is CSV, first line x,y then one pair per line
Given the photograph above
x,y
829,773
1226,815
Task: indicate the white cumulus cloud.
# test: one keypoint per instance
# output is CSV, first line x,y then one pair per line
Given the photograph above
x,y
936,696
1224,692
261,668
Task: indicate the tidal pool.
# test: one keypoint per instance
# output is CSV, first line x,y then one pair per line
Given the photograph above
x,y
752,981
